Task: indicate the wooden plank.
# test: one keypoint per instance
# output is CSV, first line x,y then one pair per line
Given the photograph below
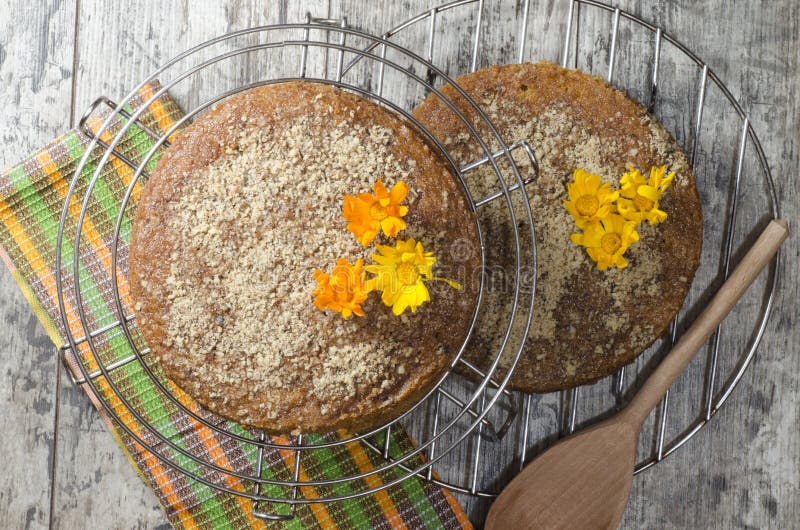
x,y
27,382
741,470
36,69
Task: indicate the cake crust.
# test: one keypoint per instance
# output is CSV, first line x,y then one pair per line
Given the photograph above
x,y
586,323
241,210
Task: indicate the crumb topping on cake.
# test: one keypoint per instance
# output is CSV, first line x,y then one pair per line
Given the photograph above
x,y
562,141
585,322
262,218
237,220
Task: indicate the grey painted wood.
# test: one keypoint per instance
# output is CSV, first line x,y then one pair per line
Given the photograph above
x,y
741,471
27,401
744,466
36,75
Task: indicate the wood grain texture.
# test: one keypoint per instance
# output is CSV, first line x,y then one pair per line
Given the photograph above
x,y
36,74
740,471
741,466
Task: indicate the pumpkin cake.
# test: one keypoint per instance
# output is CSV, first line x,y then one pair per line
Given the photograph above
x,y
587,322
244,212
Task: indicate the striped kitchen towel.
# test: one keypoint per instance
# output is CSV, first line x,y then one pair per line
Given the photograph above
x,y
195,458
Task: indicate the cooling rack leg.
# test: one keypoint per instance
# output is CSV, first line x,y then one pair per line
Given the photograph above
x,y
612,54
381,69
304,54
526,413
73,377
477,454
523,30
269,516
340,56
654,80
618,386
568,406
568,34
662,427
476,43
387,442
698,120
431,33
432,454
430,77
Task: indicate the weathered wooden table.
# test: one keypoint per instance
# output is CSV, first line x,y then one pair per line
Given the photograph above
x,y
61,468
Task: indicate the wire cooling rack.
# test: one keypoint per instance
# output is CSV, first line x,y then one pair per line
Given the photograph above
x,y
314,51
737,192
479,434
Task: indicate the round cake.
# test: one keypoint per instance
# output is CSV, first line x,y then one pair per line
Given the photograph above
x,y
238,222
587,322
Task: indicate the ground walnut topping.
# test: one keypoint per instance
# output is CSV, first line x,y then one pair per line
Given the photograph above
x,y
586,322
238,223
261,219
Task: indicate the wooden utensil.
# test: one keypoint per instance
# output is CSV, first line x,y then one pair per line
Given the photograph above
x,y
583,482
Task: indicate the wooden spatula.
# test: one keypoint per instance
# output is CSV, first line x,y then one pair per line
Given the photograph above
x,y
583,482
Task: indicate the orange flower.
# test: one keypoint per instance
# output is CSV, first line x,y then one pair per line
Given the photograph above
x,y
368,214
343,290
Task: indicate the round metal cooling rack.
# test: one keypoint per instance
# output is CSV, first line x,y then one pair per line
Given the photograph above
x,y
314,51
737,192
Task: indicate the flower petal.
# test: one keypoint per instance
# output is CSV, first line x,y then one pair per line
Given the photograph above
x,y
392,225
395,294
380,190
357,210
399,192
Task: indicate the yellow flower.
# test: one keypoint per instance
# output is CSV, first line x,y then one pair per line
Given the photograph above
x,y
639,197
589,199
401,273
607,241
343,290
368,214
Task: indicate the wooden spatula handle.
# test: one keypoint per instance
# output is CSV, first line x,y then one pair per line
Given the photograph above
x,y
693,339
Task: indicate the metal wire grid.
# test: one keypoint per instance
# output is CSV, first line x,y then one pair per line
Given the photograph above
x,y
426,25
472,411
465,479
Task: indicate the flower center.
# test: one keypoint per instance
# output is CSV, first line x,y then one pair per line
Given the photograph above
x,y
643,204
587,205
407,274
341,282
610,242
377,212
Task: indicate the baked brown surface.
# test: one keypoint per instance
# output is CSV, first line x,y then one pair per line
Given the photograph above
x,y
586,323
237,215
